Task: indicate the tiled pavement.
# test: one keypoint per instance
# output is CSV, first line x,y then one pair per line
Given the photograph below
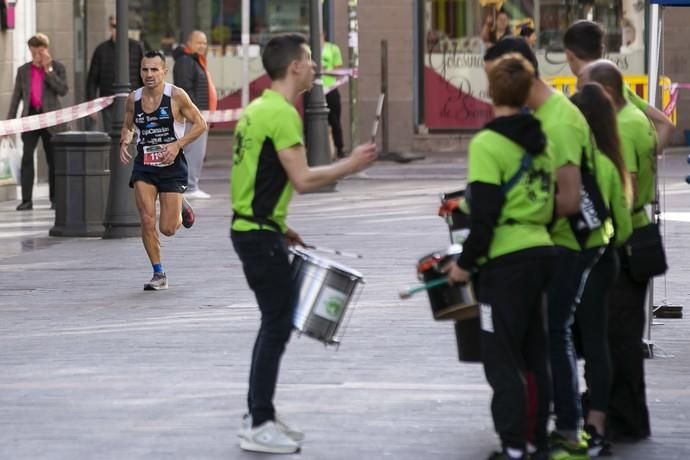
x,y
92,367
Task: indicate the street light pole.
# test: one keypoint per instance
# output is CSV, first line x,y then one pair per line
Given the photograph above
x,y
121,217
316,112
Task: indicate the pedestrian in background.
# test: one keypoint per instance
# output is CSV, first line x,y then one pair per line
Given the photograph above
x,y
102,72
191,74
332,59
39,85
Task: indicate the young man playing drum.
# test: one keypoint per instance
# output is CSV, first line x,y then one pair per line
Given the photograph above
x,y
157,112
269,161
511,184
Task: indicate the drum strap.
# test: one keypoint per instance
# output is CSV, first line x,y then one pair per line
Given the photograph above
x,y
257,220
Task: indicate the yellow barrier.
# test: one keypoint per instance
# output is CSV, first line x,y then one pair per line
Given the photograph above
x,y
638,83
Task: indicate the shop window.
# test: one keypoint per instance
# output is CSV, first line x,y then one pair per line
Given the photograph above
x,y
457,33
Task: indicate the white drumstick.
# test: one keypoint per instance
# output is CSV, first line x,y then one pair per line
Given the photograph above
x,y
337,252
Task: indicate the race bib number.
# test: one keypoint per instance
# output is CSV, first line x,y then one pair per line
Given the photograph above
x,y
153,156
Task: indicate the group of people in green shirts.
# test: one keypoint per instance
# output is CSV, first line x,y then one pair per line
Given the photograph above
x,y
556,188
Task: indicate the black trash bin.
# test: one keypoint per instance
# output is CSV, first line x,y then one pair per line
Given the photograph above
x,y
82,176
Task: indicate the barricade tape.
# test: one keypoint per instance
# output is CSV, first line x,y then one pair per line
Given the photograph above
x,y
68,114
56,117
673,101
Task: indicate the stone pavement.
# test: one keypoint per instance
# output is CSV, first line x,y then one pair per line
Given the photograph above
x,y
93,367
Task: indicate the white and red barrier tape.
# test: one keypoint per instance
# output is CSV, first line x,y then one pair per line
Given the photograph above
x,y
67,114
56,117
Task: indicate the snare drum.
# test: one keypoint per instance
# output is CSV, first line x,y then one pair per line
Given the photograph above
x,y
325,291
447,301
458,221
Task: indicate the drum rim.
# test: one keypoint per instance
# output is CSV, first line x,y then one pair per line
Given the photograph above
x,y
328,264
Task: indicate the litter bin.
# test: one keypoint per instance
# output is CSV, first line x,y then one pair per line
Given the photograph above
x,y
82,177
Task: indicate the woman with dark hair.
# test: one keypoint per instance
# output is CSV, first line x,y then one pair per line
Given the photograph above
x,y
591,314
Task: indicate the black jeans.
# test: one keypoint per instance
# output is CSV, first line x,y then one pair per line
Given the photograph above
x,y
591,324
511,293
267,269
334,110
30,140
628,414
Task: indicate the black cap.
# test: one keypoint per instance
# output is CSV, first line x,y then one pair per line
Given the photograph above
x,y
512,45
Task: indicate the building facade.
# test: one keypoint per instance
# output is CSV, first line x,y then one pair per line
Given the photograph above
x,y
436,85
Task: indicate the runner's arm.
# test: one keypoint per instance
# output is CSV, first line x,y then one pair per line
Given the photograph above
x,y
127,129
128,124
192,114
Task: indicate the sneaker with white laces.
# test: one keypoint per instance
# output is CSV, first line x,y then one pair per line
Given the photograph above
x,y
197,194
294,434
157,283
268,438
187,214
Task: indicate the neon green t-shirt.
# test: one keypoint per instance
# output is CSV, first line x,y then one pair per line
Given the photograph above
x,y
638,143
528,206
568,134
619,225
259,185
330,59
632,97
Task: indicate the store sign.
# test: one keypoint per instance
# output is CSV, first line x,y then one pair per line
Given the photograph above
x,y
456,89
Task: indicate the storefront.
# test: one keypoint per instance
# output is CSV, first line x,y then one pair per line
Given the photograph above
x,y
159,24
456,33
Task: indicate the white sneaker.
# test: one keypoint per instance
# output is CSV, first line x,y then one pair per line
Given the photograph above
x,y
294,434
268,438
197,194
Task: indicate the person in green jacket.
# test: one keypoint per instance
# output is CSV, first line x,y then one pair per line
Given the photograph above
x,y
628,416
584,44
592,309
511,199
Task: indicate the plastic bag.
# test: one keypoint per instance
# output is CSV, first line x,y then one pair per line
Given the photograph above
x,y
8,153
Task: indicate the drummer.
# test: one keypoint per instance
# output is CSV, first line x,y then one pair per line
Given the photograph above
x,y
269,161
511,185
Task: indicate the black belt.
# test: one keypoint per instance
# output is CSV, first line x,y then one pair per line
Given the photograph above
x,y
259,220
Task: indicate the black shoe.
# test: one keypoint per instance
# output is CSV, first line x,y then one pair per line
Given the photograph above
x,y
597,445
25,206
52,205
187,214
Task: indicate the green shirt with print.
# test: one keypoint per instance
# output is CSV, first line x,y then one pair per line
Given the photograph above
x,y
528,206
569,136
259,185
638,143
330,59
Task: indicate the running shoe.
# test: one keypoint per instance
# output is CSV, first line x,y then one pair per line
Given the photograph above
x,y
187,214
563,448
157,283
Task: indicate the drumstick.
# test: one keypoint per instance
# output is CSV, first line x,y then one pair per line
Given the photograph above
x,y
337,252
377,119
407,293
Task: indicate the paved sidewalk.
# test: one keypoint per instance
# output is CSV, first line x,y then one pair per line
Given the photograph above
x,y
93,367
